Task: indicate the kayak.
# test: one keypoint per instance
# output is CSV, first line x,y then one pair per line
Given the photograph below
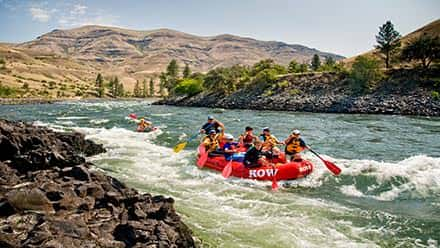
x,y
281,170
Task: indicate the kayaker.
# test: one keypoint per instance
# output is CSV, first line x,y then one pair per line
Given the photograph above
x,y
212,124
247,138
297,157
143,124
269,141
294,144
254,157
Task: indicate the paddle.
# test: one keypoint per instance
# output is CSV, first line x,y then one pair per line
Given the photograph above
x,y
227,171
203,156
331,166
179,147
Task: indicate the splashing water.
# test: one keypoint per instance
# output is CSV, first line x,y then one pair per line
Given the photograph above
x,y
387,195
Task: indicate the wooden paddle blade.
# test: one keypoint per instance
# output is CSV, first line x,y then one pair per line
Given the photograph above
x,y
332,167
227,171
179,147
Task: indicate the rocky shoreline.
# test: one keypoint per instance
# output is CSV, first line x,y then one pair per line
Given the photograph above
x,y
51,197
323,93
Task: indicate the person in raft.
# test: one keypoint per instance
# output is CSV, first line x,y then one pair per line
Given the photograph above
x,y
294,145
254,157
212,124
269,143
230,149
212,143
143,124
247,138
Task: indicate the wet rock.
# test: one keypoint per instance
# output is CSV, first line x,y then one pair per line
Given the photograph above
x,y
29,199
50,198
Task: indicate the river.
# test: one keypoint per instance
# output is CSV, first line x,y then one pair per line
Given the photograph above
x,y
388,194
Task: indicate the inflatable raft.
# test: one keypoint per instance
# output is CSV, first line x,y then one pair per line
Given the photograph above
x,y
281,170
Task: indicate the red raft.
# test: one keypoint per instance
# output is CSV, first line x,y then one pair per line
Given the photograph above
x,y
282,170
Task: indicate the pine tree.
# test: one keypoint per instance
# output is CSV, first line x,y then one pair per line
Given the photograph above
x,y
186,71
388,41
144,88
99,85
120,90
316,62
151,87
173,69
137,89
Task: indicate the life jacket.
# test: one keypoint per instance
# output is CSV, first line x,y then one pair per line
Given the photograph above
x,y
211,144
269,141
294,146
248,138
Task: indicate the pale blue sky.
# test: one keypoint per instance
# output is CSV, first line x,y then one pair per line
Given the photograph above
x,y
346,27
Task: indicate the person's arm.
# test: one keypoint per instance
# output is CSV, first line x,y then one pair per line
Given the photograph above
x,y
302,143
220,124
287,141
277,142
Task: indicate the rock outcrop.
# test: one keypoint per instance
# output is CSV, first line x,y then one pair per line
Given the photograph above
x,y
51,197
323,93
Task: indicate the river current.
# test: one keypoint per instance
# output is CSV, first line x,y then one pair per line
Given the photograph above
x,y
388,194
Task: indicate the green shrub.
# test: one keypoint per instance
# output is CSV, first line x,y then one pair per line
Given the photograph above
x,y
283,84
268,93
365,73
26,86
6,91
435,95
294,92
189,86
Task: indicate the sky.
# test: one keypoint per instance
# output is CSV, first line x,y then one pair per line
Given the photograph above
x,y
345,27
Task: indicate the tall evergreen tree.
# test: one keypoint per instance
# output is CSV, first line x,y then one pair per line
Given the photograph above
x,y
387,41
316,62
144,88
99,85
173,69
137,89
151,87
120,89
186,71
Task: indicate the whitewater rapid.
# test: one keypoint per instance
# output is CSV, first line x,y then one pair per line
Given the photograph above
x,y
386,196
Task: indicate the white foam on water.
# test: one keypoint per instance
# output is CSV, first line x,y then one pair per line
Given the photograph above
x,y
72,117
232,210
419,176
65,123
99,121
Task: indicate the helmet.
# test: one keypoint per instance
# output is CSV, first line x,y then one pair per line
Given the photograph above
x,y
212,131
296,131
210,117
228,136
266,129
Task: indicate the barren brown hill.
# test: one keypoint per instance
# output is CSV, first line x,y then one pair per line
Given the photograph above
x,y
431,29
144,52
70,59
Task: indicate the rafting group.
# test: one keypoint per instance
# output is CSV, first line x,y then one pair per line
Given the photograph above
x,y
252,150
252,156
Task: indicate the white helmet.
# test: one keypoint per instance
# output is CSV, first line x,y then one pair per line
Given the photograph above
x,y
296,131
228,136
